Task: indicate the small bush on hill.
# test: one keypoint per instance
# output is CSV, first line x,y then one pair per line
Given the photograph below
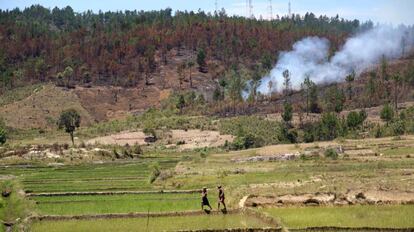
x,y
331,153
355,119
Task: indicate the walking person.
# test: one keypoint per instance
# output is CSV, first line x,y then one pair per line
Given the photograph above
x,y
221,198
204,199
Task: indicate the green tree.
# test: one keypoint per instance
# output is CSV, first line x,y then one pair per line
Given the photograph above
x,y
385,76
307,86
396,78
40,68
371,88
181,73
330,126
180,103
3,136
201,60
67,75
286,82
190,65
334,99
287,112
267,61
236,85
349,80
313,99
355,119
69,120
255,83
387,114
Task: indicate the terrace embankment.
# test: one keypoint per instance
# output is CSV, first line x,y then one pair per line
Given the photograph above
x,y
349,198
109,193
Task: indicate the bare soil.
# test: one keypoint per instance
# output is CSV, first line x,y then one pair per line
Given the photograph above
x,y
349,198
189,139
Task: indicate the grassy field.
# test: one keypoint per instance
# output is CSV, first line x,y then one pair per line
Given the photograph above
x,y
80,205
153,224
383,216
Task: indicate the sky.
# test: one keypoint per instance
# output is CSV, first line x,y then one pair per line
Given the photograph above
x,y
379,11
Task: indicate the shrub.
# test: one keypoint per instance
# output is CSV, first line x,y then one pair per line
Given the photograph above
x,y
3,136
246,142
398,127
355,119
136,149
387,113
378,131
287,112
265,132
331,153
308,133
155,172
329,127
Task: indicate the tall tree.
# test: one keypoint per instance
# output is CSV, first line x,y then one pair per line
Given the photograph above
x,y
69,120
286,83
349,80
181,73
201,61
334,99
396,78
387,114
190,65
306,88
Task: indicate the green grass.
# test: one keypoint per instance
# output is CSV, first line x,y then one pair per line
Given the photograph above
x,y
18,94
79,205
152,224
14,207
385,216
399,151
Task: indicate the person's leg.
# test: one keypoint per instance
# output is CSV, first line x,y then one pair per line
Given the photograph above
x,y
224,205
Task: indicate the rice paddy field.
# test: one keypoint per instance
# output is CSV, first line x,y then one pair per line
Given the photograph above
x,y
78,193
105,204
156,224
377,216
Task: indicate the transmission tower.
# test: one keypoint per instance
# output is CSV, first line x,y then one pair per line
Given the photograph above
x,y
270,10
251,9
216,6
290,10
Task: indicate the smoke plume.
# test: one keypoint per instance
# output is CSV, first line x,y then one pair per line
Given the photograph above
x,y
310,56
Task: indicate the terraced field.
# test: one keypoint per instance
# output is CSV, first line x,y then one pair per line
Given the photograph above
x,y
88,177
154,224
106,204
119,196
377,216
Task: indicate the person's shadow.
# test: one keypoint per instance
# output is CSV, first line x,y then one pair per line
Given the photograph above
x,y
224,211
207,211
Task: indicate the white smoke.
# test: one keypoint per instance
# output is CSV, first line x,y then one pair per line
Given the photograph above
x,y
310,56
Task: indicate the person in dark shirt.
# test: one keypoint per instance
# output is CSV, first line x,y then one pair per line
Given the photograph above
x,y
221,198
204,199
